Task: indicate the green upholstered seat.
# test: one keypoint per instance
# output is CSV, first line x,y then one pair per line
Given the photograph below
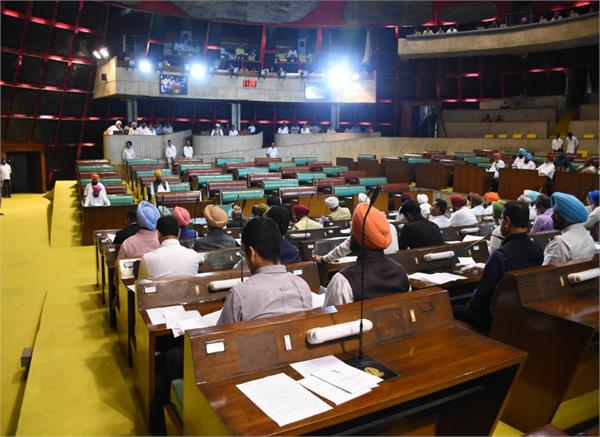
x,y
365,156
275,166
142,161
304,160
575,166
120,199
107,181
308,177
334,171
101,167
372,182
409,156
220,162
348,190
164,171
485,165
245,171
185,167
176,397
179,187
232,196
276,184
205,179
415,161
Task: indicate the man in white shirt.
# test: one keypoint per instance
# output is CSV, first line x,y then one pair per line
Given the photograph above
x,y
528,163
283,129
519,160
476,204
217,131
188,150
557,143
452,29
252,128
128,152
95,181
572,143
151,130
438,213
167,129
496,165
170,152
5,173
423,201
171,259
115,128
98,198
272,151
305,129
547,168
233,132
574,241
134,130
462,215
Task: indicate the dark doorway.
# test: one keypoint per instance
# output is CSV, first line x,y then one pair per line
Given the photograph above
x,y
26,172
424,119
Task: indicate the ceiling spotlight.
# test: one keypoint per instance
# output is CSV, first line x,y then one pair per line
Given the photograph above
x,y
339,76
104,52
145,66
97,54
198,71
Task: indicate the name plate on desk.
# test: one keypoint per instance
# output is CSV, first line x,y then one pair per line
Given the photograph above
x,y
126,268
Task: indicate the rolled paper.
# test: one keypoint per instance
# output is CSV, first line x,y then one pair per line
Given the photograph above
x,y
586,275
469,230
298,236
437,256
334,332
225,284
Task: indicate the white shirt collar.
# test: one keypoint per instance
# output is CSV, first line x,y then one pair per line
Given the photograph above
x,y
170,242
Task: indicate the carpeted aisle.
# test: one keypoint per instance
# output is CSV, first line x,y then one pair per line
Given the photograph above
x,y
78,383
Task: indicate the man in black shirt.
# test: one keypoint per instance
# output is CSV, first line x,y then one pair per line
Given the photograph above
x,y
131,229
418,232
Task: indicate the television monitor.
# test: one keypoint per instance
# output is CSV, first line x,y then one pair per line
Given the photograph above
x,y
174,84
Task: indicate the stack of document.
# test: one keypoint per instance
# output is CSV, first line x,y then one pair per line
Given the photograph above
x,y
472,238
178,320
436,278
317,300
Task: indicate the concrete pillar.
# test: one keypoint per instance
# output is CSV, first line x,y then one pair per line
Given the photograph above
x,y
335,116
236,115
132,111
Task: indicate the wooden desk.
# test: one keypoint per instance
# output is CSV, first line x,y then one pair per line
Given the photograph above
x,y
468,178
106,217
512,182
348,162
101,236
450,380
537,310
370,166
396,171
142,185
434,175
194,293
577,184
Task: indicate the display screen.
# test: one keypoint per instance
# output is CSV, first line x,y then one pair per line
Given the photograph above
x,y
249,83
173,84
316,91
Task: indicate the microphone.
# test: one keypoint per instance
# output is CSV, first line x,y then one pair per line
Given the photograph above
x,y
308,216
466,248
196,207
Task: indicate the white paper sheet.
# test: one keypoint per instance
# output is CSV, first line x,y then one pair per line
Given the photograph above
x,y
131,287
472,238
211,319
282,399
306,368
347,259
317,300
436,278
345,231
466,260
157,315
328,391
111,237
348,378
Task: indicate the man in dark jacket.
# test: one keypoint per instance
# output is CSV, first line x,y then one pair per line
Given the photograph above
x,y
281,216
215,238
516,252
131,229
417,232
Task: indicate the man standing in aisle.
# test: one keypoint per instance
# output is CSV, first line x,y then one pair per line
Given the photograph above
x,y
5,172
572,143
128,152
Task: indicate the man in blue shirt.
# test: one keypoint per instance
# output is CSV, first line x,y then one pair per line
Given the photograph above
x,y
517,251
561,160
287,252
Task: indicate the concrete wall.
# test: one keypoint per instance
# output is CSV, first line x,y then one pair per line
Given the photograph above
x,y
242,143
566,33
523,114
395,146
131,82
589,112
557,102
478,130
299,139
145,146
581,127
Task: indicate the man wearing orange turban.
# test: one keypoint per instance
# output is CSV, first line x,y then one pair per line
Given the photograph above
x,y
95,182
382,276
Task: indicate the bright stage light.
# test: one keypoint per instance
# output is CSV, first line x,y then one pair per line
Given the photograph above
x,y
97,54
145,66
198,71
104,52
339,76
355,77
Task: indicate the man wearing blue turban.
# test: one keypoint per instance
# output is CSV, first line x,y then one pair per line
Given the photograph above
x,y
519,160
529,163
594,217
146,238
574,241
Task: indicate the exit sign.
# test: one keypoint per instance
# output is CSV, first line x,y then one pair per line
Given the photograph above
x,y
249,83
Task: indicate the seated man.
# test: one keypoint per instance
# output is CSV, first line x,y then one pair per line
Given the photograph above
x,y
462,215
215,238
131,228
237,218
170,152
496,238
543,221
574,241
170,259
423,201
520,159
476,204
588,167
186,232
158,185
281,216
336,211
438,213
271,289
561,161
488,199
303,223
146,238
382,276
516,252
259,209
528,163
547,168
95,181
418,232
274,200
594,216
97,198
